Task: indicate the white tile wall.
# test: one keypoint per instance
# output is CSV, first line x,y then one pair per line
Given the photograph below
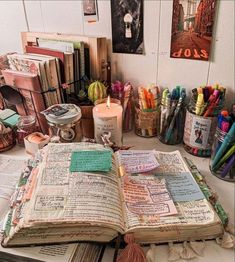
x,y
155,66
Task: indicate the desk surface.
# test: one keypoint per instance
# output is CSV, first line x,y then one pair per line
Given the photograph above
x,y
224,189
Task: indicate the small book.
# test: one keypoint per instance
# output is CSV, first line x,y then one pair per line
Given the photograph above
x,y
55,205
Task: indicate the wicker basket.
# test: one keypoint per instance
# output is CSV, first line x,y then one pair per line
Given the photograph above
x,y
7,138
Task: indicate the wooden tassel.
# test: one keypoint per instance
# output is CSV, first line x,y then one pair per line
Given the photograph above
x,y
132,252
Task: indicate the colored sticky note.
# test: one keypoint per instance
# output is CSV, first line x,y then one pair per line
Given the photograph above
x,y
91,161
182,187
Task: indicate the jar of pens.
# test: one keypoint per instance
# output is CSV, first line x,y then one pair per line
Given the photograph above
x,y
172,116
201,119
147,111
223,150
124,93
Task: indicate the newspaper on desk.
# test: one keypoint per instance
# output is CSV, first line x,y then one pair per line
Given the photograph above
x,y
10,171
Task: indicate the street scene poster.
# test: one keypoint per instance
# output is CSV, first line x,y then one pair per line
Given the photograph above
x,y
192,27
127,26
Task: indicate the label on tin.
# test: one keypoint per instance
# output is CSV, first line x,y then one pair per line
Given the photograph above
x,y
197,131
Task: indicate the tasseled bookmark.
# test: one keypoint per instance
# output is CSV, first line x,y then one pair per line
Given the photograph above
x,y
227,241
151,255
132,252
187,252
174,251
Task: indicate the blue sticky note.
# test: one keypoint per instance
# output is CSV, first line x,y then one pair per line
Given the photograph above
x,y
91,161
182,187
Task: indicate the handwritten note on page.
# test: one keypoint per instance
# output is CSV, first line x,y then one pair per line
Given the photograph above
x,y
182,187
91,160
138,161
147,197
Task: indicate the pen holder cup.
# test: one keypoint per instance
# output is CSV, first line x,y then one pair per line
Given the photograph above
x,y
147,122
172,126
221,171
127,102
198,134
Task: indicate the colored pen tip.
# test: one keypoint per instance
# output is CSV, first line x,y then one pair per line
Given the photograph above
x,y
224,113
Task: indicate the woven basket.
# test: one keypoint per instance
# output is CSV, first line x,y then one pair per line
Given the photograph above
x,y
7,140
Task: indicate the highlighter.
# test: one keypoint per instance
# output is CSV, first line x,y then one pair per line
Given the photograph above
x,y
199,103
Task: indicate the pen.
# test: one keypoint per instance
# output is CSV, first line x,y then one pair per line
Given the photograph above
x,y
228,166
224,158
224,146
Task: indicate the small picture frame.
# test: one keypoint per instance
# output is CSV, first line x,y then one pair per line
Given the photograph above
x,y
90,10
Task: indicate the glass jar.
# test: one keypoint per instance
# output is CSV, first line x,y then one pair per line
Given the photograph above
x,y
147,122
172,124
221,171
200,126
26,125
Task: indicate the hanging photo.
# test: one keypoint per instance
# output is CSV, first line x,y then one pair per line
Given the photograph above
x,y
192,25
127,26
90,10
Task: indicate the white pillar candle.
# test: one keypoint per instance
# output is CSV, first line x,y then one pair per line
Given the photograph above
x,y
108,118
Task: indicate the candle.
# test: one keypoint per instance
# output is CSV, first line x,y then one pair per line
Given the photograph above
x,y
108,118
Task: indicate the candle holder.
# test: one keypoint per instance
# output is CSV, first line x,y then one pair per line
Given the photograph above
x,y
107,115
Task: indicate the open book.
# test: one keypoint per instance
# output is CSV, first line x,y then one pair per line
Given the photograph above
x,y
56,205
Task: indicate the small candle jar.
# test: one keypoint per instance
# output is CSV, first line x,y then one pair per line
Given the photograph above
x,y
26,125
107,115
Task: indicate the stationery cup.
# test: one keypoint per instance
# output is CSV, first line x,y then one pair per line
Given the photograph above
x,y
172,125
198,134
221,171
147,122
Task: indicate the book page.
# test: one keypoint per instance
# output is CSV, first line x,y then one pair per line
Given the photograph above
x,y
192,207
170,163
66,196
10,171
146,199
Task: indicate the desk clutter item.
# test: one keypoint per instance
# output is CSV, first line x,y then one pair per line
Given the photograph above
x,y
107,115
9,117
86,206
35,141
124,92
7,138
201,119
147,111
223,151
64,121
172,116
25,126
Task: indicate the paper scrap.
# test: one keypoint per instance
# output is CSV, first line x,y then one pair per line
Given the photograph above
x,y
182,187
138,161
147,197
97,160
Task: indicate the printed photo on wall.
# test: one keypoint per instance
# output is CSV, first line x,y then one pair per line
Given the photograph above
x,y
191,32
90,10
127,26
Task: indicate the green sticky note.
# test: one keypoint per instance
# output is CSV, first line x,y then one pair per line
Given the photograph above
x,y
11,121
91,161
